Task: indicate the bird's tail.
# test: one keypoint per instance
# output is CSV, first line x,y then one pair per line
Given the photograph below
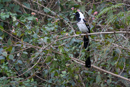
x,y
86,41
86,44
88,62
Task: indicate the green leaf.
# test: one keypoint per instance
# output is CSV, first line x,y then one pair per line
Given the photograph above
x,y
1,6
13,49
29,32
1,28
45,39
19,33
9,48
118,50
83,7
9,42
98,78
52,75
16,8
2,58
27,5
6,0
63,72
109,8
14,18
90,12
35,35
11,5
61,49
20,62
1,38
11,57
79,0
76,76
4,54
30,18
46,10
25,52
4,15
1,49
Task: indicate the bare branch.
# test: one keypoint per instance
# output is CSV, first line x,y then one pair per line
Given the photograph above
x,y
100,69
110,73
113,32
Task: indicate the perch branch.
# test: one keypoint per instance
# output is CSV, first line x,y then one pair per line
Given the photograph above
x,y
100,69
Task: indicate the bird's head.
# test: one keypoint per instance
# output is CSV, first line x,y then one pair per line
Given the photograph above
x,y
79,16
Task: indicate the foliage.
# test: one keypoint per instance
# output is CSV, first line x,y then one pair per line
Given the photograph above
x,y
38,46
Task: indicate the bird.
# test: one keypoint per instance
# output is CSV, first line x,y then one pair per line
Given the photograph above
x,y
84,28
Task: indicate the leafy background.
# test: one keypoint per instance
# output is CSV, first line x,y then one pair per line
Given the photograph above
x,y
40,43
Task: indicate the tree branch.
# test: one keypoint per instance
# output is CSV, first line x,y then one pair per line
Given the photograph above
x,y
110,73
100,69
113,32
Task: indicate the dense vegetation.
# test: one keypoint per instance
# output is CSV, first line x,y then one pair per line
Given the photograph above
x,y
40,45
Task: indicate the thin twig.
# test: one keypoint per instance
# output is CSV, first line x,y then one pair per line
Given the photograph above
x,y
41,13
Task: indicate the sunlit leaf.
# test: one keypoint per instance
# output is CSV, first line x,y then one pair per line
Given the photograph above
x,y
4,54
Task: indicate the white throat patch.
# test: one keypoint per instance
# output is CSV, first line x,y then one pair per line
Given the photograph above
x,y
81,15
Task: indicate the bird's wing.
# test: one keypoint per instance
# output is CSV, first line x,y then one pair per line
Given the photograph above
x,y
87,25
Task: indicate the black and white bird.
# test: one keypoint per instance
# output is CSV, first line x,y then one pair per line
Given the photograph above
x,y
84,28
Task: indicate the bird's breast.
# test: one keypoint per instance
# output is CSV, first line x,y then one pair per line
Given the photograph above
x,y
82,27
